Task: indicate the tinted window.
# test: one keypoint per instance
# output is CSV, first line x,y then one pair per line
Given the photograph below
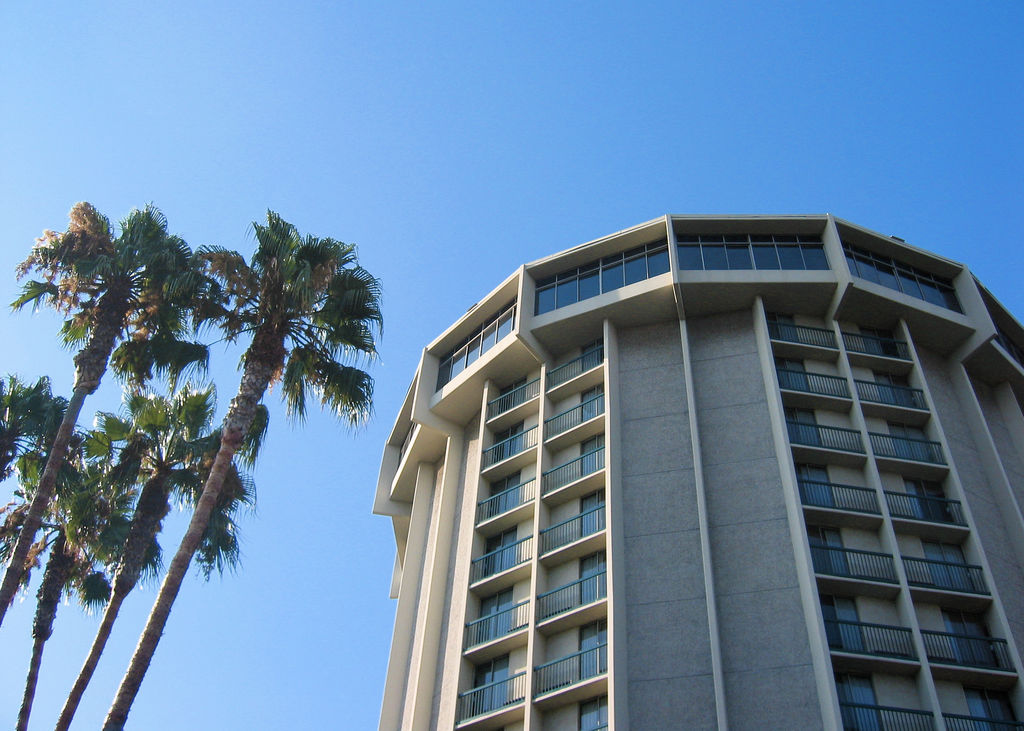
x,y
657,263
636,269
611,278
765,257
545,300
814,256
714,257
590,285
789,257
689,257
566,293
738,256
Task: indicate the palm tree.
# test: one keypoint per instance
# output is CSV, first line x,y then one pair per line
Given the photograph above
x,y
29,417
307,304
123,299
166,445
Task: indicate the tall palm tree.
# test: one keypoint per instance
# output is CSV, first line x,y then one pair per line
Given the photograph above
x,y
166,445
29,417
307,305
124,302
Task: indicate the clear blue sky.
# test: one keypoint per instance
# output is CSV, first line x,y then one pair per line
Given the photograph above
x,y
452,142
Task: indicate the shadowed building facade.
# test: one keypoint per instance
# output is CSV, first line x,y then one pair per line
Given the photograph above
x,y
713,472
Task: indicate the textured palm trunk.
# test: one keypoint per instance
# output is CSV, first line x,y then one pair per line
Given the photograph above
x,y
149,513
58,570
90,365
255,379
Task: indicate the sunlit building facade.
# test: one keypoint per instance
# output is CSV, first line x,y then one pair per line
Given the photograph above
x,y
713,472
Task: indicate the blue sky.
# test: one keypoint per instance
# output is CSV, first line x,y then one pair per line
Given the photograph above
x,y
452,142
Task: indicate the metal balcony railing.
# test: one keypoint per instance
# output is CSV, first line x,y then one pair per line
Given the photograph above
x,y
497,625
509,447
515,397
825,437
976,723
864,638
585,464
573,529
506,500
574,417
966,650
571,596
863,717
501,559
816,336
923,507
886,393
570,670
851,563
818,383
575,367
917,450
945,575
492,697
874,345
840,497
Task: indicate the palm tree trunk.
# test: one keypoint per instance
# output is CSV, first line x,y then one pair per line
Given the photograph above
x,y
90,365
58,568
255,379
149,512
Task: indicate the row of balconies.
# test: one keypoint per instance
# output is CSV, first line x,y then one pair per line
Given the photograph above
x,y
819,337
905,506
861,717
822,384
874,566
886,446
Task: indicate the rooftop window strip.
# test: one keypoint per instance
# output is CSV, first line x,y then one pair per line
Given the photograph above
x,y
902,277
600,276
754,251
483,339
1009,346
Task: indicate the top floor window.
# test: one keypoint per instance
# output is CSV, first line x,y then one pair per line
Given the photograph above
x,y
483,339
754,251
902,277
1011,347
600,276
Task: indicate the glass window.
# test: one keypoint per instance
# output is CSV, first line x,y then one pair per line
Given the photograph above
x,y
714,256
636,269
789,256
738,256
567,293
814,256
908,284
594,714
657,263
590,284
611,277
765,256
545,300
689,257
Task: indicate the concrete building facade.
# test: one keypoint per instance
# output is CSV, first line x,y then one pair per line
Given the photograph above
x,y
714,472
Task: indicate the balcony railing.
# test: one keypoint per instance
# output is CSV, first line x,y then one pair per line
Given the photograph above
x,y
966,650
573,529
945,575
976,723
816,336
492,697
570,670
923,507
840,497
862,717
515,397
874,345
577,594
585,464
501,559
825,437
851,563
917,450
574,417
509,447
506,500
864,638
818,383
575,367
498,624
887,393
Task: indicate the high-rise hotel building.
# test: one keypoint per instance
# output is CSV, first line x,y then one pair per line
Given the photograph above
x,y
752,472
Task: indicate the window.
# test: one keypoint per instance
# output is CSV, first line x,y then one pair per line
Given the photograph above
x,y
593,657
901,277
500,552
603,275
496,694
592,519
842,626
857,702
509,497
590,402
479,342
592,578
969,644
991,705
814,485
930,503
756,251
947,566
827,552
594,714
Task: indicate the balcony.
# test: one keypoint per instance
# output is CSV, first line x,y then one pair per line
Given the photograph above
x,y
887,401
889,648
576,473
833,496
977,723
570,670
811,390
924,515
501,560
507,406
858,344
490,698
507,449
862,717
906,448
498,625
934,581
572,530
800,341
579,593
571,372
871,573
506,501
578,423
842,446
966,652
